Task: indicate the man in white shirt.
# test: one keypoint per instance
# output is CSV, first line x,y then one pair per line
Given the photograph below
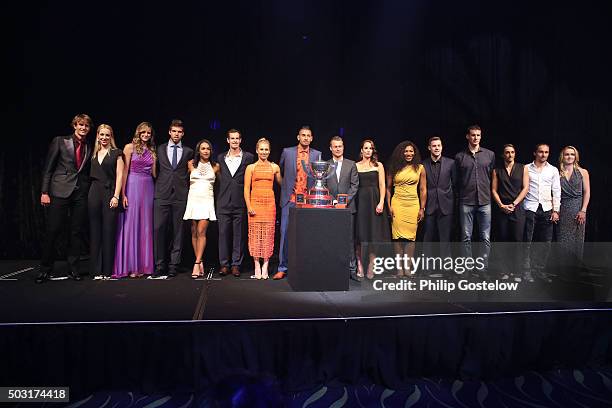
x,y
542,211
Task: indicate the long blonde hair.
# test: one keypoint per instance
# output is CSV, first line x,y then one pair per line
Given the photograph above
x,y
137,141
112,138
576,162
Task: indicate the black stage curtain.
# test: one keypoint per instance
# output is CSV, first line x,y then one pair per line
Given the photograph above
x,y
400,70
388,352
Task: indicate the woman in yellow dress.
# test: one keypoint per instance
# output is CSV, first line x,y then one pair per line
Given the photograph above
x,y
406,173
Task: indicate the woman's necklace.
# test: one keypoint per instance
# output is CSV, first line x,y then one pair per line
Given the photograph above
x,y
202,169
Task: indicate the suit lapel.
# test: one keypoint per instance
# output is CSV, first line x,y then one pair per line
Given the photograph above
x,y
241,163
346,167
294,159
183,157
223,164
162,154
70,149
332,180
85,157
445,165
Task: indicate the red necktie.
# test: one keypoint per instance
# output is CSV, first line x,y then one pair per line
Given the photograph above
x,y
79,154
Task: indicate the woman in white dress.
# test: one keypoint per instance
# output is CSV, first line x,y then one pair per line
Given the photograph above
x,y
200,201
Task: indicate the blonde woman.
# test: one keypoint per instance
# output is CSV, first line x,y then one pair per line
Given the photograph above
x,y
575,196
103,201
134,252
261,206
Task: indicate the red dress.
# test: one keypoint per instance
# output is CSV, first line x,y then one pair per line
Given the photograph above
x,y
261,225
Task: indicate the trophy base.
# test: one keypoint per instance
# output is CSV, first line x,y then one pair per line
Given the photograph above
x,y
318,201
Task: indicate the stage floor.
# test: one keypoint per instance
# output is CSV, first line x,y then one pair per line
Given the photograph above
x,y
214,298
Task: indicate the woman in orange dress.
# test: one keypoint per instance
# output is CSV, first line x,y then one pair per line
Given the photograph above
x,y
261,206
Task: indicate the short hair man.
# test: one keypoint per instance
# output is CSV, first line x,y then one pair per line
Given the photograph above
x,y
441,177
231,208
171,189
474,167
345,181
65,184
542,204
295,181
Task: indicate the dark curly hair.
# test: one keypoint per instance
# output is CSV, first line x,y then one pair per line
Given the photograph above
x,y
398,162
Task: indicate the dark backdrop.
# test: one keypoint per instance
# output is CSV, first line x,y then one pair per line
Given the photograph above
x,y
387,70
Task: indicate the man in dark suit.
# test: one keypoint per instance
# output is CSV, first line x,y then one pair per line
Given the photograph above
x,y
441,177
295,181
231,209
345,181
171,188
65,184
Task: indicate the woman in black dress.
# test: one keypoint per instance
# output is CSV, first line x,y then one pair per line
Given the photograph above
x,y
372,216
509,186
103,201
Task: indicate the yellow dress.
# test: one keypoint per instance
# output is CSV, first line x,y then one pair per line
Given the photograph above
x,y
405,203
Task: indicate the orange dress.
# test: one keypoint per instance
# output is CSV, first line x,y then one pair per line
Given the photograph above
x,y
261,225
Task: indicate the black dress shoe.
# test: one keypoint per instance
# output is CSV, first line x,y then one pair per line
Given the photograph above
x,y
224,270
356,277
75,276
43,276
171,274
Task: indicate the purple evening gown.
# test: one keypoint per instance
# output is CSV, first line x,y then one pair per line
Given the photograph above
x,y
134,251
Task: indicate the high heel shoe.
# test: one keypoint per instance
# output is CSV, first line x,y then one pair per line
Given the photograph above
x,y
359,271
196,275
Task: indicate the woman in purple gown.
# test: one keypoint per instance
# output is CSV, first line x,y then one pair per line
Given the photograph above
x,y
134,252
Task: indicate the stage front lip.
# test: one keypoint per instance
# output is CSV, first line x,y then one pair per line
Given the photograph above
x,y
182,300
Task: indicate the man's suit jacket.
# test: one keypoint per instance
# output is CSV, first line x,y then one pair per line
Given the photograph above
x,y
60,175
171,180
440,194
348,184
230,196
288,168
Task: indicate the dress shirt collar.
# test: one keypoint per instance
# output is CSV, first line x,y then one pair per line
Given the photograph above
x,y
229,154
469,151
544,167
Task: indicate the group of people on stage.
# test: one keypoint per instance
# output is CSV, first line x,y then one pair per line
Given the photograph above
x,y
138,198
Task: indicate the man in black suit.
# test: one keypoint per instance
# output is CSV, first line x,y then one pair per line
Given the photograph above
x,y
231,208
171,188
345,181
65,184
441,176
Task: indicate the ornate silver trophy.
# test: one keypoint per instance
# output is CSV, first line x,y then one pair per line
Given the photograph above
x,y
318,196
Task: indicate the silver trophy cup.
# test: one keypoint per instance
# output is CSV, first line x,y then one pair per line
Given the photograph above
x,y
318,196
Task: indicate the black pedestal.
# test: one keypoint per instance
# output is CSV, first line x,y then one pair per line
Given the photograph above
x,y
319,249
